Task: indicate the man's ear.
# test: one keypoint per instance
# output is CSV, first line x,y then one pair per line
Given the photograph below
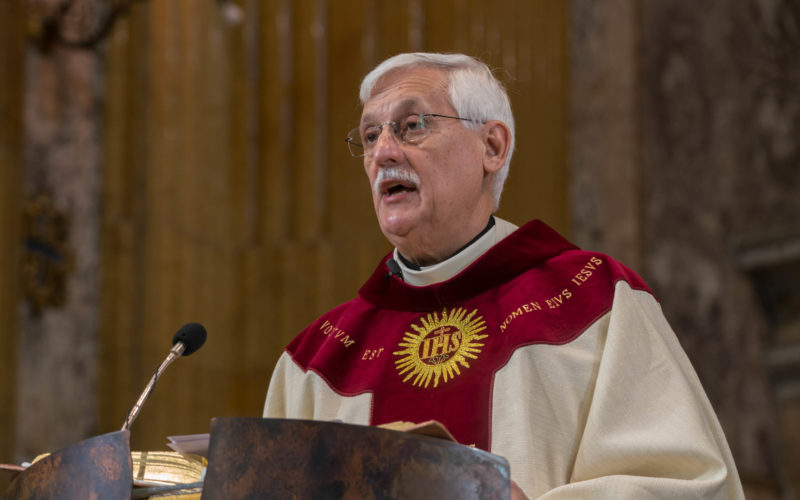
x,y
496,141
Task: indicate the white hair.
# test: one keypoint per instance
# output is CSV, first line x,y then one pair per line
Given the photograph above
x,y
474,93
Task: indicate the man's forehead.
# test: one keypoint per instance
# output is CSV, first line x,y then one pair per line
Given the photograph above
x,y
409,104
402,89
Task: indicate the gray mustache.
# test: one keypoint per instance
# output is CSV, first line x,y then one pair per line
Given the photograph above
x,y
402,174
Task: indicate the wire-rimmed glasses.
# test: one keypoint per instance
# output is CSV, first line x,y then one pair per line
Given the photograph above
x,y
412,129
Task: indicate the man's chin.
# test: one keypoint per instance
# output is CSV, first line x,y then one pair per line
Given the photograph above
x,y
396,229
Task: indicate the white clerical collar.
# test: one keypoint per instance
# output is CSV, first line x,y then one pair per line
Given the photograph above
x,y
446,269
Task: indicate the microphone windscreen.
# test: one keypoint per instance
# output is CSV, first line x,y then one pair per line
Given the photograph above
x,y
193,336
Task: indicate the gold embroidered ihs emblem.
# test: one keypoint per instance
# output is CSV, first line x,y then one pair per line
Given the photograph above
x,y
440,346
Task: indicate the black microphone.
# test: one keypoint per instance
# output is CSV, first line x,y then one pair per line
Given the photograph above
x,y
192,336
189,338
394,268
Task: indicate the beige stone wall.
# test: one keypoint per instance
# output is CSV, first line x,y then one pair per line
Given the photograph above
x,y
692,112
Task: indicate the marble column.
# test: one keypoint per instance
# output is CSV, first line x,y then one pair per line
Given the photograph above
x,y
58,343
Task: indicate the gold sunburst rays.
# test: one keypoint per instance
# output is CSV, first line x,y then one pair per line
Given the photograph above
x,y
440,346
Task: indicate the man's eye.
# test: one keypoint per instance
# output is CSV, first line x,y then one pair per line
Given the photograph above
x,y
371,135
413,123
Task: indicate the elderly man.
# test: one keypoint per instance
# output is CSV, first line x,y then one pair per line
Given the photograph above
x,y
517,341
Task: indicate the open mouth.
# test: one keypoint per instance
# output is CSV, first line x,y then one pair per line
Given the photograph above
x,y
398,187
395,181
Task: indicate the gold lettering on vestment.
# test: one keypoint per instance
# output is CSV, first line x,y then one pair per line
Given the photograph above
x,y
558,300
370,354
330,330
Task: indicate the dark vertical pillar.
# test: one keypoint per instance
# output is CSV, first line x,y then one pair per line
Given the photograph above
x,y
684,151
717,123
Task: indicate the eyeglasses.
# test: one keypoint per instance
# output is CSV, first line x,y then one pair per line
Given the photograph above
x,y
412,129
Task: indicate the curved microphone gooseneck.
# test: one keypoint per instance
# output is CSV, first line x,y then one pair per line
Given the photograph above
x,y
188,339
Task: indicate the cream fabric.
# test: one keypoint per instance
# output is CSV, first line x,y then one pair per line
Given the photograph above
x,y
617,413
447,269
294,393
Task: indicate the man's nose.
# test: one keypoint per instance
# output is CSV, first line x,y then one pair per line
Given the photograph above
x,y
387,148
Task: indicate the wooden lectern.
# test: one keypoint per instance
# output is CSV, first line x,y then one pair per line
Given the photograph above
x,y
303,459
98,467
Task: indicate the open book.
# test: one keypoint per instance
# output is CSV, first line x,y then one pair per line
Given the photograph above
x,y
431,428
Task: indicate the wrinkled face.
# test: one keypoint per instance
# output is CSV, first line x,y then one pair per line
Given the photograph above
x,y
430,198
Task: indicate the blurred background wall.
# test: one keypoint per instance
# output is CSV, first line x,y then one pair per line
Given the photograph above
x,y
167,161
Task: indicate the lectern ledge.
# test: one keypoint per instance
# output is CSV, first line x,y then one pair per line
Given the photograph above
x,y
279,459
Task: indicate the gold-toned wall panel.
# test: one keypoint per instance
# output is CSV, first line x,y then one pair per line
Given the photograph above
x,y
230,198
11,157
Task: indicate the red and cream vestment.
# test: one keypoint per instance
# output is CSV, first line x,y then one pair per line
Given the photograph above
x,y
558,359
